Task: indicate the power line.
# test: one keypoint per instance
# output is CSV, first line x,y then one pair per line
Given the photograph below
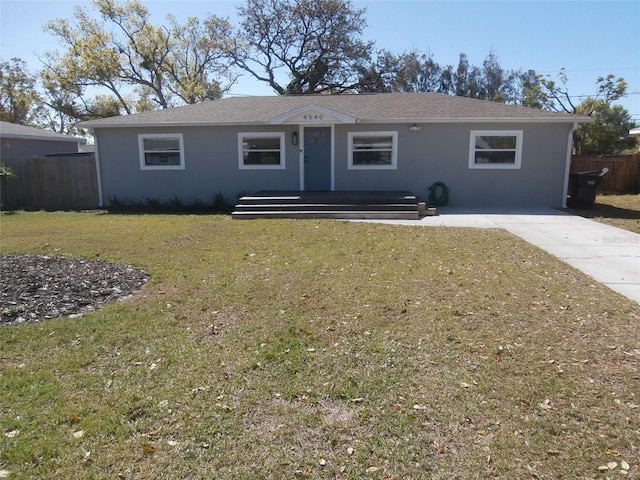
x,y
591,95
589,70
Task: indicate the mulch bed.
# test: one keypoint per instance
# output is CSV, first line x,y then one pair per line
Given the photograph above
x,y
37,287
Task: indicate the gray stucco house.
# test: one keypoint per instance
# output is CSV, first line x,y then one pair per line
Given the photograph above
x,y
488,154
19,141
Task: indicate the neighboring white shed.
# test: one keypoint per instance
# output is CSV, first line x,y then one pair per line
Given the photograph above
x,y
635,131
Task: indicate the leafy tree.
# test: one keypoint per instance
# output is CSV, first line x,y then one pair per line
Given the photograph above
x,y
499,85
531,90
136,62
467,79
609,132
555,96
489,82
19,98
407,72
314,44
413,72
378,77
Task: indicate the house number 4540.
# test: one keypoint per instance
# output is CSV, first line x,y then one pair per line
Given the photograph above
x,y
313,117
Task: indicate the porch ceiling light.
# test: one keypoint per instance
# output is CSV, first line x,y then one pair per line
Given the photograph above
x,y
415,128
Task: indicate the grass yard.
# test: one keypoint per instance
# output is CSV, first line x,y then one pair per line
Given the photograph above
x,y
320,350
622,211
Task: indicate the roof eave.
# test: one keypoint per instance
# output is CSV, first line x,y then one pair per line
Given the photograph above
x,y
93,125
479,120
43,137
573,119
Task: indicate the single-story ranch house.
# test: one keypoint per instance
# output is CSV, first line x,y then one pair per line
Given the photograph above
x,y
486,153
19,141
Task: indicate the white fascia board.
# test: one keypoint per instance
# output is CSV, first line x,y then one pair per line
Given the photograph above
x,y
169,124
346,120
475,120
45,138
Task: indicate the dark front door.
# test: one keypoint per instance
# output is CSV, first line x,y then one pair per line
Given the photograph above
x,y
317,158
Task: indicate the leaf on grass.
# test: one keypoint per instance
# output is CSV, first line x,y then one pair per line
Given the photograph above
x,y
148,448
437,447
420,407
624,465
546,405
372,469
12,433
78,434
73,419
4,473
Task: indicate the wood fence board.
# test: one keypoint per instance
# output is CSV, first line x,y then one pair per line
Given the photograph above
x,y
623,175
52,183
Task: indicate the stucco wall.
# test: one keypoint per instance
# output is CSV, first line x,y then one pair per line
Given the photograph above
x,y
436,153
441,153
19,147
211,166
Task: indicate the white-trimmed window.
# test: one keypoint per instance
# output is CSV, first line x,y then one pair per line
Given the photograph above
x,y
261,150
161,151
373,150
495,149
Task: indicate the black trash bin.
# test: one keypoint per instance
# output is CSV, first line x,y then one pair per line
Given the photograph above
x,y
583,187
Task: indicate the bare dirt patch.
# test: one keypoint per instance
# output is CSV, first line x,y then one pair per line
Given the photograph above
x,y
37,287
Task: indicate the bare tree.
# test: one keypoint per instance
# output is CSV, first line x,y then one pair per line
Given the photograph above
x,y
313,44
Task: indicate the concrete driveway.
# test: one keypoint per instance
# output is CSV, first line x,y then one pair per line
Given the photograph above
x,y
607,254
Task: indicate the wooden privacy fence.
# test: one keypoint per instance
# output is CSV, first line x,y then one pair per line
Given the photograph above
x,y
51,183
623,175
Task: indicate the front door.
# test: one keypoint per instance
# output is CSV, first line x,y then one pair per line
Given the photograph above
x,y
317,158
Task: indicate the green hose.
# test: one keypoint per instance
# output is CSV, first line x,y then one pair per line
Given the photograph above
x,y
438,194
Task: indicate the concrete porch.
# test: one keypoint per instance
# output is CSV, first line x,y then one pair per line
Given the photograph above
x,y
337,204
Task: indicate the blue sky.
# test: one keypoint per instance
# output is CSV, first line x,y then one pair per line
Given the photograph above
x,y
587,38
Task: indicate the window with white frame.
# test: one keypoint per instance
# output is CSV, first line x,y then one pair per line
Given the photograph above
x,y
495,149
160,151
261,150
373,150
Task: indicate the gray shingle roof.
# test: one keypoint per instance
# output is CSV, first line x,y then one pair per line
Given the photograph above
x,y
366,108
12,130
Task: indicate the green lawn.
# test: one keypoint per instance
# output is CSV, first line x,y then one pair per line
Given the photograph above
x,y
319,349
622,211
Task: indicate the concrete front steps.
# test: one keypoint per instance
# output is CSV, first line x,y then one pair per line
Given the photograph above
x,y
338,205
